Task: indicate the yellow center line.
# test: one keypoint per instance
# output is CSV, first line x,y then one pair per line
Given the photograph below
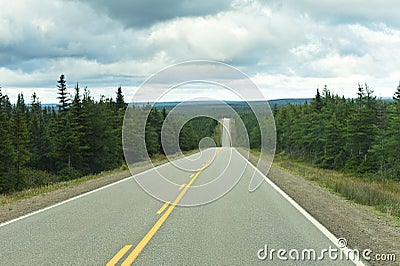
x,y
181,186
206,164
163,207
119,255
132,257
192,175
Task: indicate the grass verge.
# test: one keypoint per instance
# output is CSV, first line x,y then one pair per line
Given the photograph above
x,y
31,192
382,195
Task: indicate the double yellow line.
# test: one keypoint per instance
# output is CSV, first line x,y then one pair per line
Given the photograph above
x,y
136,251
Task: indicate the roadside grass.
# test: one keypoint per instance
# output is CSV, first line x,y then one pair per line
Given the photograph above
x,y
384,196
31,192
35,191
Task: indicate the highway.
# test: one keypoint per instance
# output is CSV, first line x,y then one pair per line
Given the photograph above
x,y
123,225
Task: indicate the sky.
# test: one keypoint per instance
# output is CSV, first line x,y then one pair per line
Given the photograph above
x,y
287,48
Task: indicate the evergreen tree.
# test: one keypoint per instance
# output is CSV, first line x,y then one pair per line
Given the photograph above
x,y
7,152
119,118
317,101
361,129
396,96
392,139
153,131
38,136
21,141
378,152
120,103
78,119
100,134
334,156
66,141
62,94
187,138
87,121
164,113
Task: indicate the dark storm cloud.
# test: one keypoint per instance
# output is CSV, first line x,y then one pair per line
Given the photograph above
x,y
144,13
31,34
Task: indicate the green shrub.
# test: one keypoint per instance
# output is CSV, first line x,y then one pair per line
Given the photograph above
x,y
37,178
69,174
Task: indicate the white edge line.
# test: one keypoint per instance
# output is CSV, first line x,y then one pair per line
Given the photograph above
x,y
81,195
309,217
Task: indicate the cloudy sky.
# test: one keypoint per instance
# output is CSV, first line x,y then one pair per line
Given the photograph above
x,y
288,48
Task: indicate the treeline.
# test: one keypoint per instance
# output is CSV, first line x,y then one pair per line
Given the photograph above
x,y
40,144
359,135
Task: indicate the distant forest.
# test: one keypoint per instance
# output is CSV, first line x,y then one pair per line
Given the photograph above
x,y
40,145
359,135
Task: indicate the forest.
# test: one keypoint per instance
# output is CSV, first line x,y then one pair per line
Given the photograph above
x,y
360,135
44,144
41,144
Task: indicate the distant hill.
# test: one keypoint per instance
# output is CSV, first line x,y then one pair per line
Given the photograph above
x,y
278,102
283,102
386,99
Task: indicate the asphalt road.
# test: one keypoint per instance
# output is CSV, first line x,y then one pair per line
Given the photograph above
x,y
122,224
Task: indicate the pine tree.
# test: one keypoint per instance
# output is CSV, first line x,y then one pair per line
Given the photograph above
x,y
104,142
317,101
392,139
326,94
78,120
7,152
21,141
62,94
120,103
119,118
361,129
38,135
187,138
66,140
88,117
334,156
153,131
170,137
8,106
377,155
163,114
396,96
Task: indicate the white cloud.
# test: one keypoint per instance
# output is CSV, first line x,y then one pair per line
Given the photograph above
x,y
282,86
289,47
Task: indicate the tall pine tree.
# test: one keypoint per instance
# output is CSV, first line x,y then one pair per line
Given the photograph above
x,y
66,140
392,140
7,152
21,141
